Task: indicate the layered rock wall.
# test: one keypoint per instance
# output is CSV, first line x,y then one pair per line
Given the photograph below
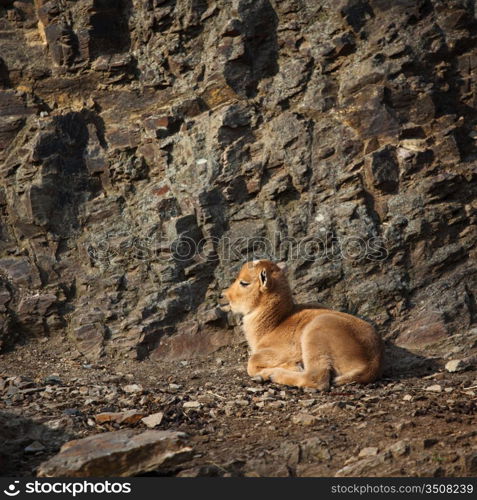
x,y
144,143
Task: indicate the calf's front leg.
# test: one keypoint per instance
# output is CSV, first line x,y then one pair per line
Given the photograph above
x,y
261,361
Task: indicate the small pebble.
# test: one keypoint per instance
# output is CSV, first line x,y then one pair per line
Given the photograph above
x,y
34,447
368,452
192,405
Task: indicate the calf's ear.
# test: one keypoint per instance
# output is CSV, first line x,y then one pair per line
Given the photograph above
x,y
263,278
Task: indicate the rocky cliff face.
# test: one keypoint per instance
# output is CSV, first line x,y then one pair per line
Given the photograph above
x,y
148,148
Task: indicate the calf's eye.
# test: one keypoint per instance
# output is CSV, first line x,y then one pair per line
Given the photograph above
x,y
244,283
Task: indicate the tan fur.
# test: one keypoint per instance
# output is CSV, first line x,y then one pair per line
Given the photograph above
x,y
302,346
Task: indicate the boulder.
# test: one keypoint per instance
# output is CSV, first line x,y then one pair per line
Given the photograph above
x,y
122,453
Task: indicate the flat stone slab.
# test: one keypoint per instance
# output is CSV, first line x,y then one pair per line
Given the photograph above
x,y
123,417
121,453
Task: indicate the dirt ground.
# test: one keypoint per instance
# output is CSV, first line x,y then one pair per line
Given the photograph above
x,y
419,421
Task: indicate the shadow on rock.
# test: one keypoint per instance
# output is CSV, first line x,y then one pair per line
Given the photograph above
x,y
24,443
402,363
260,56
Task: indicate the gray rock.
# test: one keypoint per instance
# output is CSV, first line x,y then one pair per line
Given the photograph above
x,y
434,388
290,453
456,365
132,388
368,452
34,447
121,453
399,449
305,419
153,420
314,450
364,467
194,405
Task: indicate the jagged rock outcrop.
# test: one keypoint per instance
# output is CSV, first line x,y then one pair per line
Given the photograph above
x,y
144,143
